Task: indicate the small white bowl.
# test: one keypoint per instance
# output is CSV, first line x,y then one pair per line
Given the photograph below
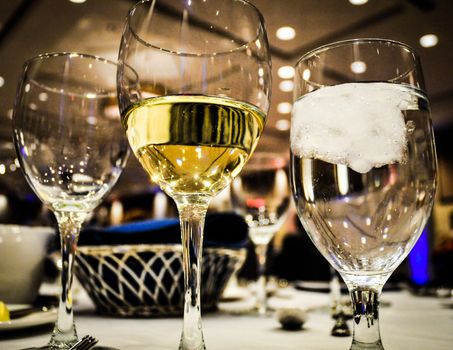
x,y
23,250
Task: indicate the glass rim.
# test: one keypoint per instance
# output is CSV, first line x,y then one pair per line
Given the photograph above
x,y
346,42
70,54
190,54
73,54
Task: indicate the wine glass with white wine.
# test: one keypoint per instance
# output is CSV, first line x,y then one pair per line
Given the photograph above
x,y
204,73
363,164
261,195
71,148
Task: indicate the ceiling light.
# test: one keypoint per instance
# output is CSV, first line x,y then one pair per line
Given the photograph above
x,y
306,74
92,120
358,67
78,1
285,33
286,85
429,40
2,81
43,96
358,2
282,124
286,72
284,107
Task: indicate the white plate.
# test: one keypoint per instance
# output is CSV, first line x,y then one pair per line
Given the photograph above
x,y
34,319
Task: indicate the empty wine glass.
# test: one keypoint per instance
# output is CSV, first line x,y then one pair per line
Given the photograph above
x,y
71,148
261,195
363,164
204,73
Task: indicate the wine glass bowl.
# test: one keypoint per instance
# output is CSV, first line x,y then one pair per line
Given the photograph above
x,y
261,194
197,47
363,164
204,89
71,148
68,162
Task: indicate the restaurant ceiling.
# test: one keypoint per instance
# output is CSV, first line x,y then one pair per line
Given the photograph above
x,y
30,27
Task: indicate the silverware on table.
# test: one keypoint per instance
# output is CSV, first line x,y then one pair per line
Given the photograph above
x,y
86,343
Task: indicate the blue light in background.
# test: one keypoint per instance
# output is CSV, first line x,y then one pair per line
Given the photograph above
x,y
30,198
419,260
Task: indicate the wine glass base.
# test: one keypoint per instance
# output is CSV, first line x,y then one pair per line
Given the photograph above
x,y
49,347
201,347
366,346
192,345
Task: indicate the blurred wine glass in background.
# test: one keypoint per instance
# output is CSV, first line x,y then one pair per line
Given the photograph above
x,y
261,195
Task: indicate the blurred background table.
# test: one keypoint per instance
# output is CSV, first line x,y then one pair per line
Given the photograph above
x,y
410,322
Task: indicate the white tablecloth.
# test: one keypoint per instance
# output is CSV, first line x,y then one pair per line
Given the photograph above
x,y
409,323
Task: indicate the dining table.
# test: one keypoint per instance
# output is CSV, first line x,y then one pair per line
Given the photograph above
x,y
407,322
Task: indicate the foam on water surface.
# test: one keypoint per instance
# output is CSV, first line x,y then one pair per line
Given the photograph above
x,y
360,125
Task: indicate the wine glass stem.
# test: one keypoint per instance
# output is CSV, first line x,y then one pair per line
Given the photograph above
x,y
365,306
335,293
69,225
261,295
192,214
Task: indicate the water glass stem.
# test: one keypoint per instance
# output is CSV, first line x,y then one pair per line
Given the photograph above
x,y
192,215
261,294
365,305
69,225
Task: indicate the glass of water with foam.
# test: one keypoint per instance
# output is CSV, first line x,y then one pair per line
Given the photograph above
x,y
363,164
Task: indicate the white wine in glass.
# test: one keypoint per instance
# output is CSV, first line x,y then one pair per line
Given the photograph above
x,y
198,143
204,74
363,165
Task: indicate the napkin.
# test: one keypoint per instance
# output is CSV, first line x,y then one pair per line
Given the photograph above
x,y
227,230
